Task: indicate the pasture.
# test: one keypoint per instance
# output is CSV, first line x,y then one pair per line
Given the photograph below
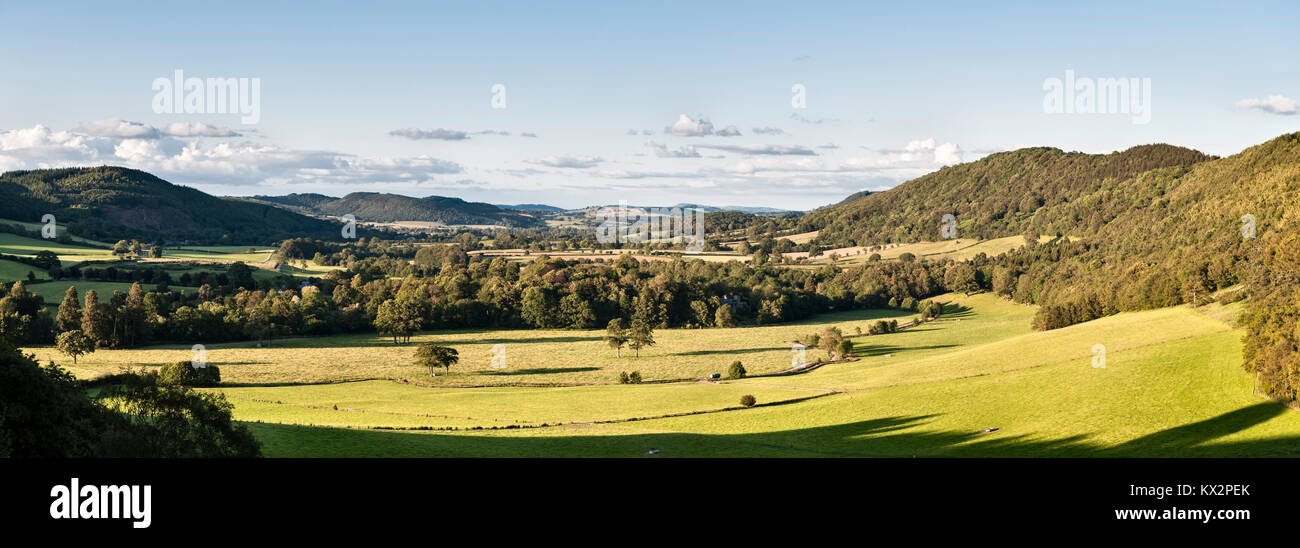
x,y
976,382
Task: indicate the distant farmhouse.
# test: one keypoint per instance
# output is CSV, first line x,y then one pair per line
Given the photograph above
x,y
735,301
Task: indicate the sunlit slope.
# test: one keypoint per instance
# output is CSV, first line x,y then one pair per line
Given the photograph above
x,y
390,404
1171,386
962,355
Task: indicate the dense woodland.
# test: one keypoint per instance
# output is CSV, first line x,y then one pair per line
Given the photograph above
x,y
1004,194
445,288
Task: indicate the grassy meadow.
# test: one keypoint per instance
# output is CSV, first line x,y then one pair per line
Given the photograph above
x,y
533,357
976,382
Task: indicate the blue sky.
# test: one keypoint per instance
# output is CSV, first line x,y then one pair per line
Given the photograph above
x,y
892,91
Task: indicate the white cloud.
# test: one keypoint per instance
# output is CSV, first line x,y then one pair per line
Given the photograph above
x,y
568,161
797,117
225,163
197,129
663,151
1275,104
688,127
768,131
780,150
115,127
729,131
918,153
441,134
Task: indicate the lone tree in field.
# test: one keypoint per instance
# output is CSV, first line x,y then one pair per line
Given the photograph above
x,y
74,343
736,370
431,355
829,340
748,400
641,336
616,335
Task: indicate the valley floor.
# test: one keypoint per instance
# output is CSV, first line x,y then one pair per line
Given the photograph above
x,y
975,383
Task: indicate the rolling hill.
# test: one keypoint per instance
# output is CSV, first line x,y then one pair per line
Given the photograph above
x,y
996,196
387,208
111,203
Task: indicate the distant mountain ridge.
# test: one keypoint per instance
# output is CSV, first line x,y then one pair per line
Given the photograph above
x,y
387,208
111,203
532,207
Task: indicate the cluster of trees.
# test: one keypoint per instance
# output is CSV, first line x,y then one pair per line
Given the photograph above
x,y
638,335
47,413
882,327
831,341
443,286
433,356
1271,348
44,260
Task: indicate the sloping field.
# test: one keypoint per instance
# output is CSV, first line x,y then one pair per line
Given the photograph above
x,y
1171,386
14,244
386,403
11,271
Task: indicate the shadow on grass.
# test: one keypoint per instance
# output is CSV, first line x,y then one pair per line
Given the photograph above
x,y
951,310
731,351
897,436
863,350
536,371
524,339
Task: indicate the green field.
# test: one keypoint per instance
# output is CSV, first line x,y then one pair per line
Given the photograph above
x,y
1172,385
12,271
532,356
53,291
14,244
